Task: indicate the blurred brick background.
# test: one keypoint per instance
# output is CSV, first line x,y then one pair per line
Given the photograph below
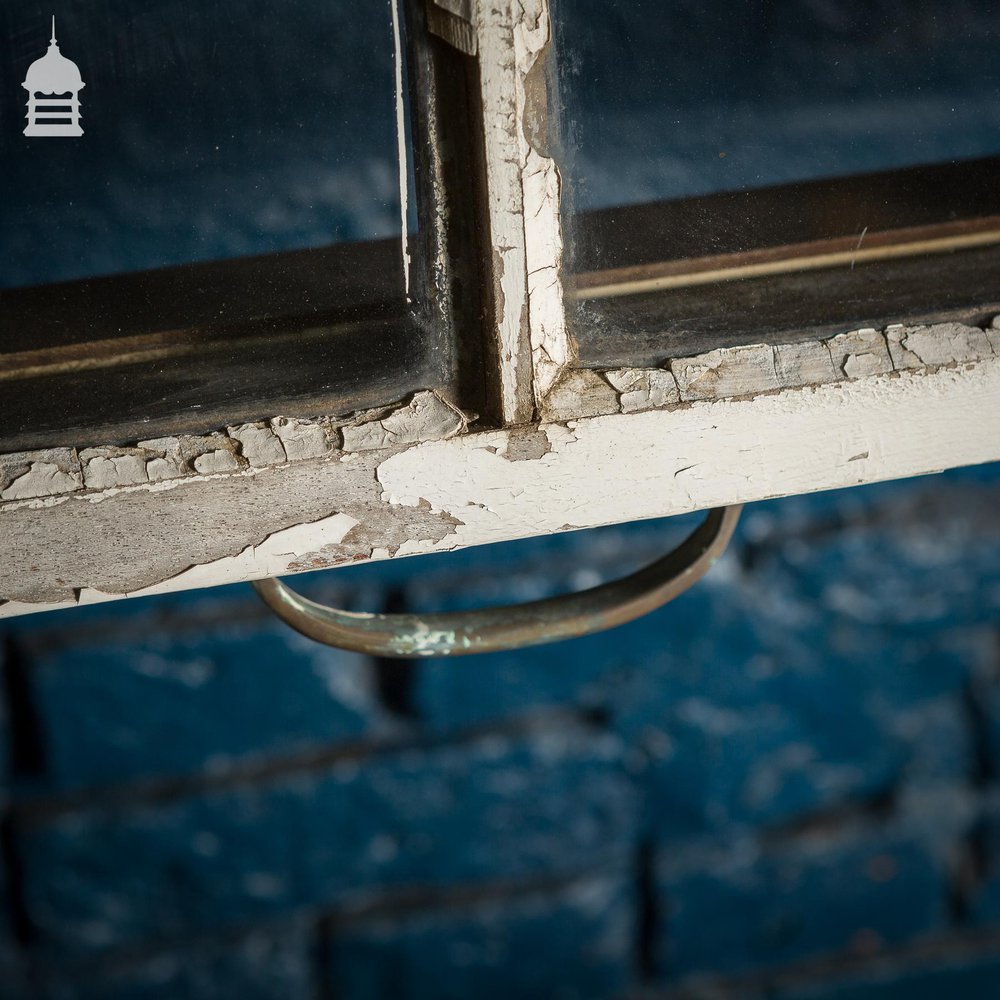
x,y
783,785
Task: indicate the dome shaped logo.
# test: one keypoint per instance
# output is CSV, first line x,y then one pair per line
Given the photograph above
x,y
53,84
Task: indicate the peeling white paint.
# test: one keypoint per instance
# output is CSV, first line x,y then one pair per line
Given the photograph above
x,y
257,561
579,392
504,177
415,495
859,353
301,439
732,371
644,389
807,363
551,346
626,467
259,445
428,417
106,468
27,475
941,344
534,345
214,462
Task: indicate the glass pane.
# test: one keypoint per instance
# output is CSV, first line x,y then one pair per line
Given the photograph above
x,y
211,129
727,165
222,242
673,99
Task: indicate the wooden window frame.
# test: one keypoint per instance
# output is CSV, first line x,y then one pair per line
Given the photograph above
x,y
551,443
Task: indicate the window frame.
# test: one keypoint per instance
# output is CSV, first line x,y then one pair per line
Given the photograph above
x,y
553,444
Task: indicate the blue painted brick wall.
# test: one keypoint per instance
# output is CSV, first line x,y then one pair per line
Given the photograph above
x,y
197,696
783,785
574,940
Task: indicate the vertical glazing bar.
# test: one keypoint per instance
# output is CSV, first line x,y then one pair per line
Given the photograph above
x,y
527,344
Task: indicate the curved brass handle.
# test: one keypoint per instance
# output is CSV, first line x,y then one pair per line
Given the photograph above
x,y
462,633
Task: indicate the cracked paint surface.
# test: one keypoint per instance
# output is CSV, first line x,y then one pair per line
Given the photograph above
x,y
619,445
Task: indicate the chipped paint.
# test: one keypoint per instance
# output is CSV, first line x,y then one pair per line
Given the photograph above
x,y
131,542
26,475
259,445
106,468
302,439
942,344
419,481
252,562
551,346
808,363
643,388
531,345
860,352
625,467
732,371
500,88
428,417
579,392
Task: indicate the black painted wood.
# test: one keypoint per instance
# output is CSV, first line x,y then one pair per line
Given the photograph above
x,y
645,330
190,349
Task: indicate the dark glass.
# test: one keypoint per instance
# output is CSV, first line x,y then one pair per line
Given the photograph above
x,y
212,129
223,241
727,166
674,99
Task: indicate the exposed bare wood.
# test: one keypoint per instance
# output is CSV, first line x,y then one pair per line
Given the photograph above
x,y
80,528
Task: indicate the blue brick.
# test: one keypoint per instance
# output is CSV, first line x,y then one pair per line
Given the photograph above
x,y
546,802
263,965
167,701
767,701
580,672
574,943
971,977
926,554
735,907
812,679
743,723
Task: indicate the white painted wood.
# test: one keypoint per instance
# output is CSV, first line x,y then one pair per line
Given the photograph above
x,y
551,345
531,340
289,495
504,178
485,487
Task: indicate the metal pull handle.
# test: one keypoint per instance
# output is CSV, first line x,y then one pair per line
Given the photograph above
x,y
516,626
